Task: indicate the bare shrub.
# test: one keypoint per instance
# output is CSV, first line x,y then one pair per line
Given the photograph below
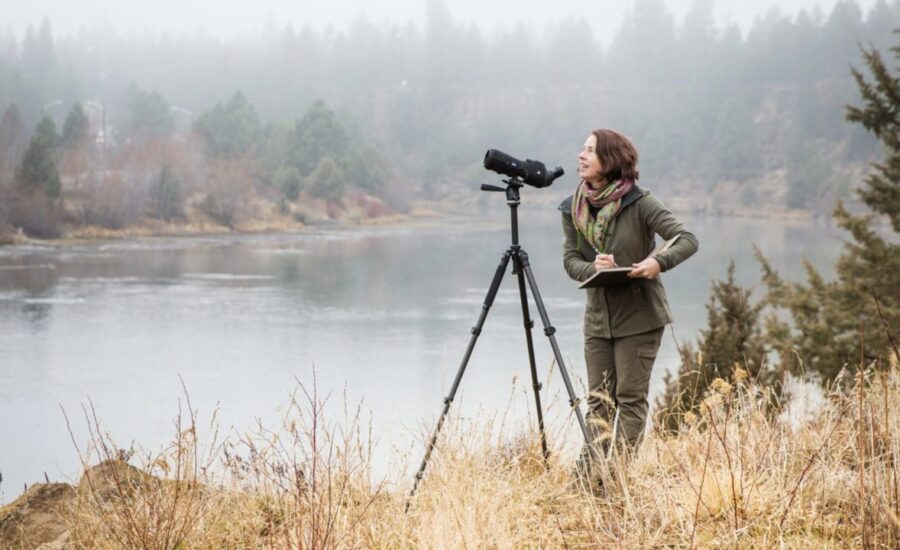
x,y
159,505
733,476
312,478
166,196
112,202
305,484
78,165
229,188
32,212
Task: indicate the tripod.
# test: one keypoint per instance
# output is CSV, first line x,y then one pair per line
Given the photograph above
x,y
522,269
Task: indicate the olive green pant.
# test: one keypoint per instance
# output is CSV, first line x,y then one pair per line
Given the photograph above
x,y
618,372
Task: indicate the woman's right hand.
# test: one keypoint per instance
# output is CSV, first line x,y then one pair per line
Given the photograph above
x,y
604,261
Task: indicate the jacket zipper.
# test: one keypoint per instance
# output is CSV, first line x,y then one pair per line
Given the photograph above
x,y
605,300
608,317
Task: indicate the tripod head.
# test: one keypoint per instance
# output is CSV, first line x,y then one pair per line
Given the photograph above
x,y
512,190
513,199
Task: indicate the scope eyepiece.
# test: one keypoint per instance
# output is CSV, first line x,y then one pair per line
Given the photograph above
x,y
531,172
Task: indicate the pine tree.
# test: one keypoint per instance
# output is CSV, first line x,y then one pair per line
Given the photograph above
x,y
881,116
37,169
12,138
232,129
317,135
327,181
830,317
149,114
732,340
76,127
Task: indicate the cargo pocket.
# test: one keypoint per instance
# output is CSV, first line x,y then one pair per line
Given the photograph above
x,y
646,351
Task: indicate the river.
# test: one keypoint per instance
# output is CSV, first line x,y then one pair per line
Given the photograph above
x,y
382,315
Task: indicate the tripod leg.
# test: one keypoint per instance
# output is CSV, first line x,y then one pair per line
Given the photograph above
x,y
574,402
476,331
535,384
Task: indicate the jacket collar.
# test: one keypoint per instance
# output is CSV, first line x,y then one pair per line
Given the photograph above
x,y
632,196
629,198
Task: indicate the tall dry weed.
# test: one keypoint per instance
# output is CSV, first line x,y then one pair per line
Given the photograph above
x,y
733,476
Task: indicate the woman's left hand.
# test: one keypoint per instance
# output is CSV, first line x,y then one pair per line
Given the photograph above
x,y
647,269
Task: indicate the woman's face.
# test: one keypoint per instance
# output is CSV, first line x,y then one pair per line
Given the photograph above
x,y
588,163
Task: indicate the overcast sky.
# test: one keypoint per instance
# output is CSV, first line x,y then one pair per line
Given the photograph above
x,y
228,18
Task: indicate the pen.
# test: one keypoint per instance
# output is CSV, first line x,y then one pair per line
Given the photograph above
x,y
598,253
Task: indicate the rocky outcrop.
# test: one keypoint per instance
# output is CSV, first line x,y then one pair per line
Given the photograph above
x,y
36,517
114,478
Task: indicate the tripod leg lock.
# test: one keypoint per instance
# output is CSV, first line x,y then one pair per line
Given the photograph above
x,y
448,400
530,324
575,402
550,331
538,387
476,331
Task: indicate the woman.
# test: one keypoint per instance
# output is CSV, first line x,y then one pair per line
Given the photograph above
x,y
610,222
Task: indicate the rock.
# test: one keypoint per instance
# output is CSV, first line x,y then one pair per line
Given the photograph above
x,y
36,517
114,479
36,520
63,542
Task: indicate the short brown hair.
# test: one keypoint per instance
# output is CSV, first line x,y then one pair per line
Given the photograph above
x,y
618,157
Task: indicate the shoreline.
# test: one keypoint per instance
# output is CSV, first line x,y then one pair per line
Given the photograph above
x,y
422,214
84,235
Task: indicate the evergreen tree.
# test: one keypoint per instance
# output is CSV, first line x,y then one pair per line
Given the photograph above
x,y
39,63
881,116
149,114
37,169
327,181
288,180
320,135
732,340
828,315
75,127
232,129
12,137
317,135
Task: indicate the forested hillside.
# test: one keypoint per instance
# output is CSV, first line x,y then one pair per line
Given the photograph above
x,y
724,121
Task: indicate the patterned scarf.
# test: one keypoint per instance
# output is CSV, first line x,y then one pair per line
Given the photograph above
x,y
607,199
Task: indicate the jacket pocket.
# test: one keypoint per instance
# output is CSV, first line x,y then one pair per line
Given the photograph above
x,y
647,349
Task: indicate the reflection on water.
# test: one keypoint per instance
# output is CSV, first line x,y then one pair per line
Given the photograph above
x,y
383,314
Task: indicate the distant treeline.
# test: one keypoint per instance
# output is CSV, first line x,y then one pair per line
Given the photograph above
x,y
757,119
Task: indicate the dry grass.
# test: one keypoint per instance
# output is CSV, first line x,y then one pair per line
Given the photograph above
x,y
734,477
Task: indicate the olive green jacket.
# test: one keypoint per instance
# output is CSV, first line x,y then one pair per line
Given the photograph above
x,y
640,306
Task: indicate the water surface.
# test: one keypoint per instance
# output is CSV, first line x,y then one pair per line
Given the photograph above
x,y
382,314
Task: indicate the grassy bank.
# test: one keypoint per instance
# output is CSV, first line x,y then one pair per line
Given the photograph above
x,y
736,476
73,217
270,219
274,217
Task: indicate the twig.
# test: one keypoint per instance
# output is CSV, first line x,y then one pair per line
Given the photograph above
x,y
562,534
700,491
887,328
723,440
860,438
806,470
